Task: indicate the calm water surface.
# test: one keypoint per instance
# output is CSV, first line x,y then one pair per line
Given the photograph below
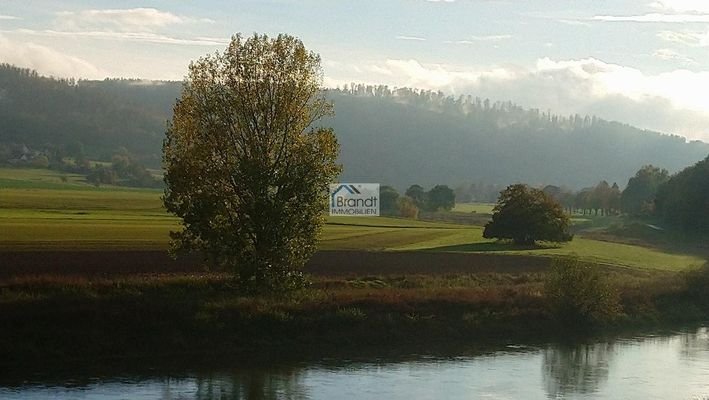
x,y
669,366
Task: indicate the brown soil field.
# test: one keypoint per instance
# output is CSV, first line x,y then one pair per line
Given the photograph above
x,y
324,263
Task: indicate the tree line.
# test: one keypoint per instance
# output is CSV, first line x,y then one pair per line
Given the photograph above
x,y
415,199
679,200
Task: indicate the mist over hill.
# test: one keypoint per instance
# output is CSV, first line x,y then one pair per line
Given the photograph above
x,y
397,137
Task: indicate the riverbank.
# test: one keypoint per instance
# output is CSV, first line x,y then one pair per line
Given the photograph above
x,y
51,318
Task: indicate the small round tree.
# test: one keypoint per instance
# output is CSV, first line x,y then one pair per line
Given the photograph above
x,y
526,215
246,166
441,197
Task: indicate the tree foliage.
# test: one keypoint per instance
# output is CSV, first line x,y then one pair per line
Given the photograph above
x,y
441,197
418,194
388,200
526,215
638,198
407,207
247,170
683,201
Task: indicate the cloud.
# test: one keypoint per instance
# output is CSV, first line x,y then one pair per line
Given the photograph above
x,y
415,38
654,17
440,1
671,55
478,39
121,20
673,102
671,11
146,37
490,38
573,22
135,25
47,61
412,73
696,6
693,39
684,38
7,17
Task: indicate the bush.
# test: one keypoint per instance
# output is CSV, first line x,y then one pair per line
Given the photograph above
x,y
697,285
41,161
407,208
579,295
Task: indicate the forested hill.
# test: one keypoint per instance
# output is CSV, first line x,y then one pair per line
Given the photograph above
x,y
395,137
406,136
101,116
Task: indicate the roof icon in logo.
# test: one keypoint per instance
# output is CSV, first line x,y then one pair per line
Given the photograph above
x,y
351,189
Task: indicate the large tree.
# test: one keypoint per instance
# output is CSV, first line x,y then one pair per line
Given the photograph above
x,y
638,198
388,200
526,215
417,194
246,166
441,197
683,201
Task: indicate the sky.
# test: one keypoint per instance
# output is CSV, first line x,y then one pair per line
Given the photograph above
x,y
640,62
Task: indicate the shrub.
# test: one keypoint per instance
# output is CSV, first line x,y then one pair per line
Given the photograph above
x,y
579,295
407,208
697,285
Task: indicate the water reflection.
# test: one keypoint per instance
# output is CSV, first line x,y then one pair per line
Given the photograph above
x,y
251,385
651,367
576,369
696,345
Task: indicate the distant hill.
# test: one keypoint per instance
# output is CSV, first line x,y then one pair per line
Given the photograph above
x,y
397,137
102,116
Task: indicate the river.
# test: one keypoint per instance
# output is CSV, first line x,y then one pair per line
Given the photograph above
x,y
672,365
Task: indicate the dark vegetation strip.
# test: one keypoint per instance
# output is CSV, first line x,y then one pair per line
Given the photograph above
x,y
57,319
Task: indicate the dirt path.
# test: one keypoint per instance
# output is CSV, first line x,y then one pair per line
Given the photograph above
x,y
324,263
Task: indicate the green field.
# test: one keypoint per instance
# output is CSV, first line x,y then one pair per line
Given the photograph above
x,y
478,208
39,211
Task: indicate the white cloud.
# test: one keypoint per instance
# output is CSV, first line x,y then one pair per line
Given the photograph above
x,y
47,61
671,11
694,39
684,38
683,88
574,22
7,17
414,38
490,38
655,17
419,76
478,39
673,102
672,55
698,6
146,37
379,70
412,73
122,20
440,1
135,25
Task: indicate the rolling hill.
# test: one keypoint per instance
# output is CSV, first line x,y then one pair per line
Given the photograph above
x,y
392,136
